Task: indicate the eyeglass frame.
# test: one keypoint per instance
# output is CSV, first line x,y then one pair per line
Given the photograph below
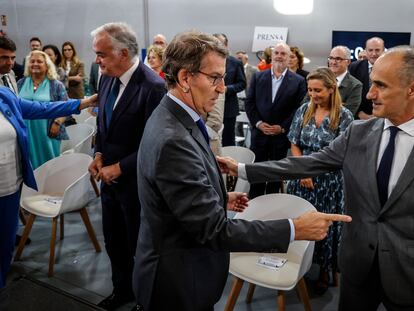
x,y
216,80
336,59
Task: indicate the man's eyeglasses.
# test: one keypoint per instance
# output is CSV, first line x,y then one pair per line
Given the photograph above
x,y
215,79
336,59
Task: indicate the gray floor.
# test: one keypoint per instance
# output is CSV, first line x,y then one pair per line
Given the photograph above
x,y
80,271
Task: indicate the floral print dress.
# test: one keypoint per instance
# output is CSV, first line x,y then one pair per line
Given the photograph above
x,y
328,193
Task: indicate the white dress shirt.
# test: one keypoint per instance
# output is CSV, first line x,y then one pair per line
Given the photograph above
x,y
10,164
124,79
404,143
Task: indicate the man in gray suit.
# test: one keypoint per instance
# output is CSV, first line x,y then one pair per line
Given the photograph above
x,y
349,87
377,158
185,237
7,59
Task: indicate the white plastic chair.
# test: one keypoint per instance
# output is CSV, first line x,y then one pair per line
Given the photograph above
x,y
299,256
80,139
242,155
64,185
82,116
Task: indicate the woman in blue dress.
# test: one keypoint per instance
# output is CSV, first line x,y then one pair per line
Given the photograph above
x,y
315,124
40,84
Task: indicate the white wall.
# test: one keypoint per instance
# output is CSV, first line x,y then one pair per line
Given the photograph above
x,y
60,20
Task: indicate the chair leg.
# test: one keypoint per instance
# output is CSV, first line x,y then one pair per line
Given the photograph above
x,y
235,291
89,228
23,240
62,227
250,293
22,217
94,186
52,246
281,300
303,293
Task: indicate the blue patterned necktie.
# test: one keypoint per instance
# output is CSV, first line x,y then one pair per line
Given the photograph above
x,y
384,169
203,129
110,102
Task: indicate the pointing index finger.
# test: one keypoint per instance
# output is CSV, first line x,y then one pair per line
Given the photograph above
x,y
338,217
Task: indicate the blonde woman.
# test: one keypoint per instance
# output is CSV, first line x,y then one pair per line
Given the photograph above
x,y
154,58
74,69
40,84
315,124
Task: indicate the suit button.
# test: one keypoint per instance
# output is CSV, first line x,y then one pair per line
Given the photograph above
x,y
380,219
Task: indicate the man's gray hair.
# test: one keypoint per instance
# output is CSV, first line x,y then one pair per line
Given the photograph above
x,y
346,50
406,71
122,36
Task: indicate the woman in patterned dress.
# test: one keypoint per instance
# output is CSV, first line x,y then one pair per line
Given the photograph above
x,y
315,124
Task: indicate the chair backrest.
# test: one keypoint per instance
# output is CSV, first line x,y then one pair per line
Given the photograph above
x,y
82,116
80,139
243,155
92,122
282,206
65,176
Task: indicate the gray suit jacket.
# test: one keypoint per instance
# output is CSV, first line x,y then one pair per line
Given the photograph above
x,y
387,230
351,92
185,237
13,81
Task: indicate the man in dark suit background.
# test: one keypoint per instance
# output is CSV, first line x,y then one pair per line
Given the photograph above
x,y
235,82
361,69
273,97
349,87
185,237
129,91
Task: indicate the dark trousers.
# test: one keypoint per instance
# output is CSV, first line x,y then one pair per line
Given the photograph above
x,y
265,150
9,216
367,296
121,219
229,135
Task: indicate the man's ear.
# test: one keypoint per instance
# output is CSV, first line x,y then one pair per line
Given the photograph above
x,y
411,90
182,82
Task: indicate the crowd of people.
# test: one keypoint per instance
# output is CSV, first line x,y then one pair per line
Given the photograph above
x,y
163,198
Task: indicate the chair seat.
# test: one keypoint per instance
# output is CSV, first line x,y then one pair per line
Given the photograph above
x,y
243,265
42,205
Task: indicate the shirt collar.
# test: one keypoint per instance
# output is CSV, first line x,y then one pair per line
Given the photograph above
x,y
407,127
190,111
281,77
126,76
341,77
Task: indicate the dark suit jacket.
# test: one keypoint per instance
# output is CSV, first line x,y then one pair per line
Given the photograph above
x,y
359,70
259,105
351,90
386,232
94,78
120,142
182,256
235,82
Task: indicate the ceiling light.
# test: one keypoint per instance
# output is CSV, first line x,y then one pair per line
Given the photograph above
x,y
293,7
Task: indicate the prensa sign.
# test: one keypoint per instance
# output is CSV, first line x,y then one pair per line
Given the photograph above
x,y
268,36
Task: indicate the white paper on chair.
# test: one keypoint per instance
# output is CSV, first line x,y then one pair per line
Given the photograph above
x,y
54,200
271,262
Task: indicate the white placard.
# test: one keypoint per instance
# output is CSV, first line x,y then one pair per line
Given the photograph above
x,y
268,36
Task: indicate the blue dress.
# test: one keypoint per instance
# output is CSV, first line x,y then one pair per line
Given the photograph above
x,y
41,147
328,194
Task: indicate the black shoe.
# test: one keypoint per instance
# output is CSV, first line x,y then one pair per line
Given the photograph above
x,y
18,238
114,301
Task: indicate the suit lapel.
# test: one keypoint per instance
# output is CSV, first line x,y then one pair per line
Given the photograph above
x,y
283,87
373,140
195,132
406,177
129,93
